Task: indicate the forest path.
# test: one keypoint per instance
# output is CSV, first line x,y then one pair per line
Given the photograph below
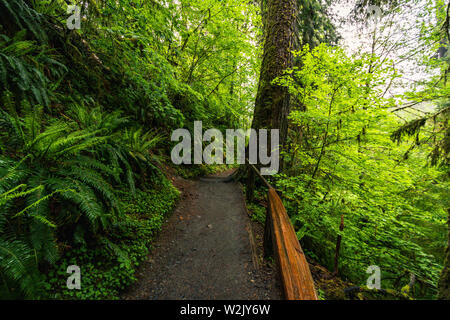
x,y
205,249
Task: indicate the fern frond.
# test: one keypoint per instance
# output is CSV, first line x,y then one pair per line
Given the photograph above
x,y
17,262
96,182
43,241
122,255
84,197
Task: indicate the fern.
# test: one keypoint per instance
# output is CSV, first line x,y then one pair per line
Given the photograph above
x,y
18,267
23,17
117,251
21,68
18,263
63,174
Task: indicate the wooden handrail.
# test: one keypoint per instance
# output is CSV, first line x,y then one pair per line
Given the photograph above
x,y
296,277
297,280
261,177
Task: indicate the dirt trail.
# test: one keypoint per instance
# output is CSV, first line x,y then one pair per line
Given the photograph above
x,y
204,250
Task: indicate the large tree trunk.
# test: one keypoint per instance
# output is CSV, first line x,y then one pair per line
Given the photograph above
x,y
272,101
444,281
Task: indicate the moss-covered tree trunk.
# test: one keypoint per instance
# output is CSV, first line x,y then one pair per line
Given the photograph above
x,y
444,281
272,101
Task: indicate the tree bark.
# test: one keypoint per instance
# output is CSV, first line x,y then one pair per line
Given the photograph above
x,y
272,101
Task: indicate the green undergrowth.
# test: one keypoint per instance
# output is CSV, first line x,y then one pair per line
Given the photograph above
x,y
195,171
86,117
256,208
328,285
258,212
108,264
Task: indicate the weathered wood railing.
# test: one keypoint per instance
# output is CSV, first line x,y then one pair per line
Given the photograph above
x,y
281,239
